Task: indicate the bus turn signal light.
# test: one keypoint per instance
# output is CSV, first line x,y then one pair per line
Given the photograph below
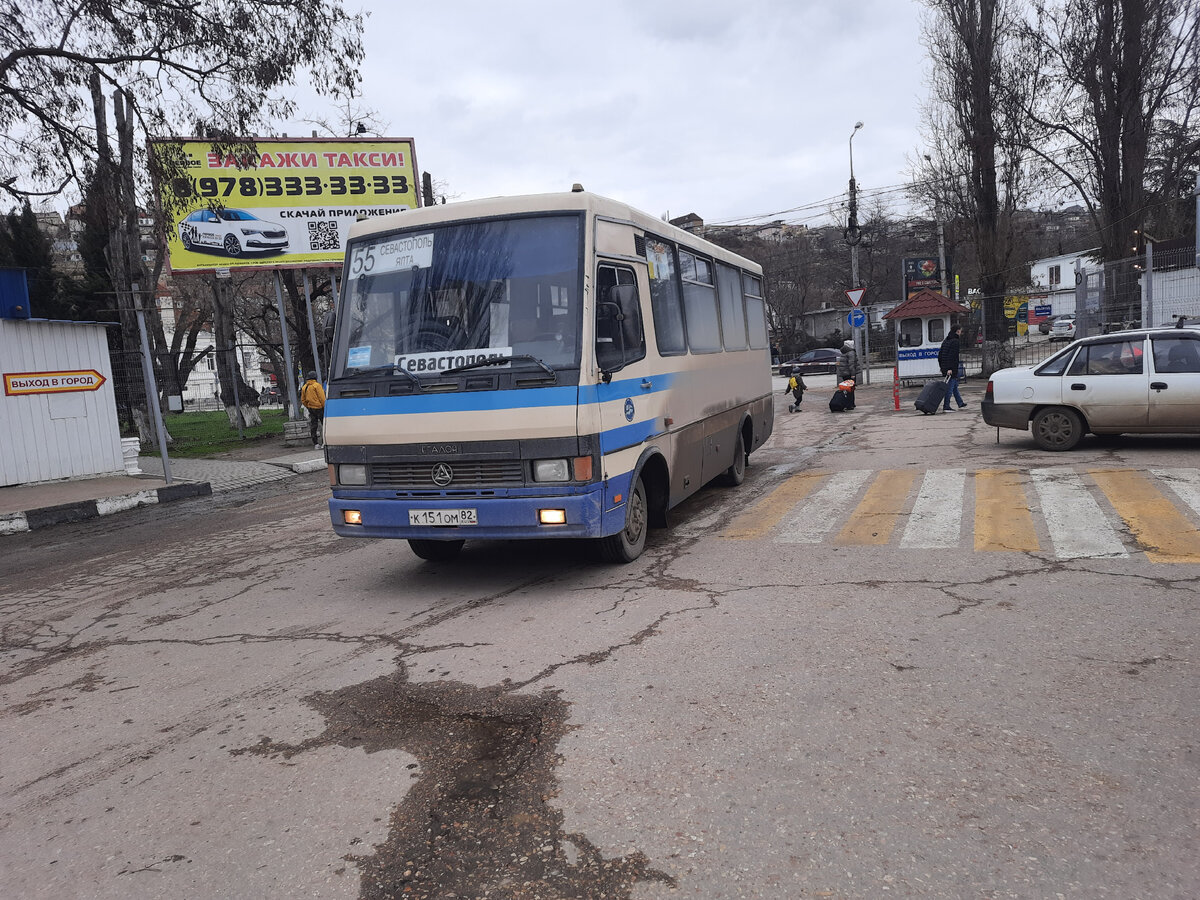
x,y
582,468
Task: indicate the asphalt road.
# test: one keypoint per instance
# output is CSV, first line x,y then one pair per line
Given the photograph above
x,y
904,658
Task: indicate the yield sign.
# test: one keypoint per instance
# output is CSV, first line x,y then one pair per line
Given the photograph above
x,y
856,295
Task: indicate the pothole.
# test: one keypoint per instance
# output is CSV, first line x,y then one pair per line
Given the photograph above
x,y
477,820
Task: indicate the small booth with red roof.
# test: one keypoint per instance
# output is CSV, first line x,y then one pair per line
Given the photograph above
x,y
922,323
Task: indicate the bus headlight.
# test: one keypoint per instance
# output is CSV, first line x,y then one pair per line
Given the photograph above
x,y
551,470
355,473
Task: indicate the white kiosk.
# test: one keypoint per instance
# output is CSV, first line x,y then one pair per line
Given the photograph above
x,y
58,411
922,323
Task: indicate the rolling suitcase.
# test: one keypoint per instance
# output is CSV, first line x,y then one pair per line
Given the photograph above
x,y
932,395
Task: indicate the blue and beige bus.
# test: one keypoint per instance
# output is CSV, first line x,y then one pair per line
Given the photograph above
x,y
550,366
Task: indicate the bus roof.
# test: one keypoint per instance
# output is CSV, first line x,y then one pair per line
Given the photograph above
x,y
567,201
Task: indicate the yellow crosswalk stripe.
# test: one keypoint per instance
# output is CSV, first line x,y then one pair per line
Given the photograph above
x,y
1163,531
765,516
874,519
1003,521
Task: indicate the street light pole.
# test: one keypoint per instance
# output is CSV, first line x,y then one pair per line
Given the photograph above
x,y
862,348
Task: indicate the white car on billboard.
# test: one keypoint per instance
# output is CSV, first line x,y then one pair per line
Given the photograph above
x,y
232,232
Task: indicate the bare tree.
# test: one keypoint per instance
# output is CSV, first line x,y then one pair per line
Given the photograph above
x,y
975,168
207,67
1119,107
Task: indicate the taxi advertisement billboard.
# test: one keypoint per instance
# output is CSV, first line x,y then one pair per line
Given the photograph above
x,y
289,202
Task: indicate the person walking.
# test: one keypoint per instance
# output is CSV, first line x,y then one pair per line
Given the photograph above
x,y
796,387
312,398
847,370
948,365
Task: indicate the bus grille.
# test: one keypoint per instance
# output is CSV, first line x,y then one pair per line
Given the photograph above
x,y
478,473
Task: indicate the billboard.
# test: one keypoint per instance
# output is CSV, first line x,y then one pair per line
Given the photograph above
x,y
289,203
921,273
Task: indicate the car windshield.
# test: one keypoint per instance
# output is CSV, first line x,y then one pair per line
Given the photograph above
x,y
443,297
236,215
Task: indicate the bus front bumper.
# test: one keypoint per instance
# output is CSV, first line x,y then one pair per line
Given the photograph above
x,y
495,518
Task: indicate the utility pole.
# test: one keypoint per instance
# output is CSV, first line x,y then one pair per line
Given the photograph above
x,y
853,238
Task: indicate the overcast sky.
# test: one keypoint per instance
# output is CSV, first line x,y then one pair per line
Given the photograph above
x,y
736,110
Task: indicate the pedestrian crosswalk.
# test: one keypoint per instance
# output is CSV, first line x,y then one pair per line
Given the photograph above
x,y
1063,511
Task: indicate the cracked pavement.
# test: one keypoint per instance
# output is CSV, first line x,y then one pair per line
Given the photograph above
x,y
222,699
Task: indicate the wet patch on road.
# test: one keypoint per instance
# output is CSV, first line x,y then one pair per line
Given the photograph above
x,y
477,820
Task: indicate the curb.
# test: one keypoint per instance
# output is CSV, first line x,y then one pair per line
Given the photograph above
x,y
308,466
33,519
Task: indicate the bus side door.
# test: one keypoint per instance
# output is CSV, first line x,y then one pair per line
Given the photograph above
x,y
630,402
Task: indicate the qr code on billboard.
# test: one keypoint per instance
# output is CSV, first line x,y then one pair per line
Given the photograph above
x,y
323,235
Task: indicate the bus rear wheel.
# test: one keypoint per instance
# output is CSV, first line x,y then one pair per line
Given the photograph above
x,y
736,473
436,551
627,544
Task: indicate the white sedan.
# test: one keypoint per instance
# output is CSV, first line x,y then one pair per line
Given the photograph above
x,y
232,231
1144,381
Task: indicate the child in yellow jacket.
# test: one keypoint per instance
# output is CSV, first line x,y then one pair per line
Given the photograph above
x,y
797,387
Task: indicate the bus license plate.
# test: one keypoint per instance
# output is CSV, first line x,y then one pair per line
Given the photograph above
x,y
443,517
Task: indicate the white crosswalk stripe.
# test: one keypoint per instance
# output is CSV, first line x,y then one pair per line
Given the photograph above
x,y
1077,525
811,521
936,518
1185,483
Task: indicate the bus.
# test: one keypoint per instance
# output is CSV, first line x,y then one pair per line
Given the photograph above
x,y
546,366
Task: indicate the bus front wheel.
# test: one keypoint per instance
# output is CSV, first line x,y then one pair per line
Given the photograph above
x,y
435,551
627,544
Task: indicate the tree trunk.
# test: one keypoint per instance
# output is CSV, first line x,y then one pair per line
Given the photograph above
x,y
238,398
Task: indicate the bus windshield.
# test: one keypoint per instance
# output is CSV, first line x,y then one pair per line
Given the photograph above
x,y
431,299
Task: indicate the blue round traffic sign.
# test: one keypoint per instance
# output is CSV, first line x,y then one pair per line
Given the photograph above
x,y
856,318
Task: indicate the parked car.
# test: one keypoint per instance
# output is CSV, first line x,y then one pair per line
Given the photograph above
x,y
231,231
1047,323
1063,328
1142,381
821,361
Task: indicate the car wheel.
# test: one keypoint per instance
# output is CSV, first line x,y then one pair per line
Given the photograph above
x,y
1057,428
186,237
232,245
436,551
736,473
627,544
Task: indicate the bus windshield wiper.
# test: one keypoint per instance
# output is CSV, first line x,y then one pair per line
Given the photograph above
x,y
501,360
379,370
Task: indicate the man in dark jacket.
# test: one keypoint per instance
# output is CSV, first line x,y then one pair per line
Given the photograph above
x,y
948,364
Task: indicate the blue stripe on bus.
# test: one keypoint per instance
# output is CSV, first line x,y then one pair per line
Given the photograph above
x,y
627,387
615,439
476,401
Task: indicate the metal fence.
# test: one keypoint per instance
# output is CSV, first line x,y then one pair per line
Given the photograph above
x,y
1152,289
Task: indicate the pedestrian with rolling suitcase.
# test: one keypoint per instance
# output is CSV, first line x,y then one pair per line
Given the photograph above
x,y
948,366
